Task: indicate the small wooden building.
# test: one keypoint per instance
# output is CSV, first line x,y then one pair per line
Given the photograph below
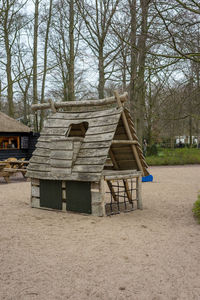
x,y
88,158
14,138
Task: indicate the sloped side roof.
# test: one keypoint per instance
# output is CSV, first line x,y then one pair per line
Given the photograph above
x,y
8,124
93,151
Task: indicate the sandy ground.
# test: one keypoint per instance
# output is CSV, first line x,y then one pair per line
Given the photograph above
x,y
149,254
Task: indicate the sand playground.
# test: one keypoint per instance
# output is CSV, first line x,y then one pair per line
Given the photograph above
x,y
152,254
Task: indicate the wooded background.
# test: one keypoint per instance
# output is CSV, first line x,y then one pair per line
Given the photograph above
x,y
70,50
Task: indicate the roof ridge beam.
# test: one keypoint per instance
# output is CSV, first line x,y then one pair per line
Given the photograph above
x,y
80,103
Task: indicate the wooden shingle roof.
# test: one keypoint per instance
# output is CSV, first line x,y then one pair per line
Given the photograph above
x,y
8,124
62,157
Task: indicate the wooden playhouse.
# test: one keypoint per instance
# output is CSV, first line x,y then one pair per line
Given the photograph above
x,y
87,159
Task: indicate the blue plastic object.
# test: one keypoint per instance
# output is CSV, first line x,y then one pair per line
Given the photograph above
x,y
147,178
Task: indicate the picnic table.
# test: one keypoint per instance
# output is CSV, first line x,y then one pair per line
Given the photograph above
x,y
11,167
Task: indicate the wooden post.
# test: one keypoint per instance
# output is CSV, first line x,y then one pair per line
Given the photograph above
x,y
139,192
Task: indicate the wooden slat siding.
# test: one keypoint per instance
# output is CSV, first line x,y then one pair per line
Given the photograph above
x,y
89,160
38,174
61,163
93,152
61,145
41,152
95,145
60,172
61,154
39,160
99,137
85,176
61,123
47,132
92,177
44,145
103,129
39,167
84,116
88,168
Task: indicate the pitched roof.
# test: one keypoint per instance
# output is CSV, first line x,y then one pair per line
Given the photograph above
x,y
59,157
8,124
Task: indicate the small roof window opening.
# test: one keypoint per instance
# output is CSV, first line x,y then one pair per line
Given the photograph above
x,y
77,130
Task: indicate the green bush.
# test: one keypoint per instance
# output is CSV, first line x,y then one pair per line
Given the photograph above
x,y
152,150
196,209
181,156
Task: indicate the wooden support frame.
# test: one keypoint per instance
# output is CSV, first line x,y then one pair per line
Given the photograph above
x,y
125,142
128,132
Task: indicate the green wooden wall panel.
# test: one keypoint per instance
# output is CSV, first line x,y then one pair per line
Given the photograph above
x,y
78,196
51,194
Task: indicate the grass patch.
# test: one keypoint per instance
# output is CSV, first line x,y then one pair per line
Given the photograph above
x,y
196,209
174,157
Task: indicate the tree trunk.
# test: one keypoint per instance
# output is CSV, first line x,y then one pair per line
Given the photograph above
x,y
132,6
140,82
71,51
0,96
35,48
101,74
8,67
45,63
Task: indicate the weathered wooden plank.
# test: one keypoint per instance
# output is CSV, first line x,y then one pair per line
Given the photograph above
x,y
101,129
93,152
84,115
54,132
44,145
88,168
85,176
39,160
61,154
64,124
121,177
60,172
41,152
99,137
119,172
38,174
90,160
60,163
38,167
61,145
